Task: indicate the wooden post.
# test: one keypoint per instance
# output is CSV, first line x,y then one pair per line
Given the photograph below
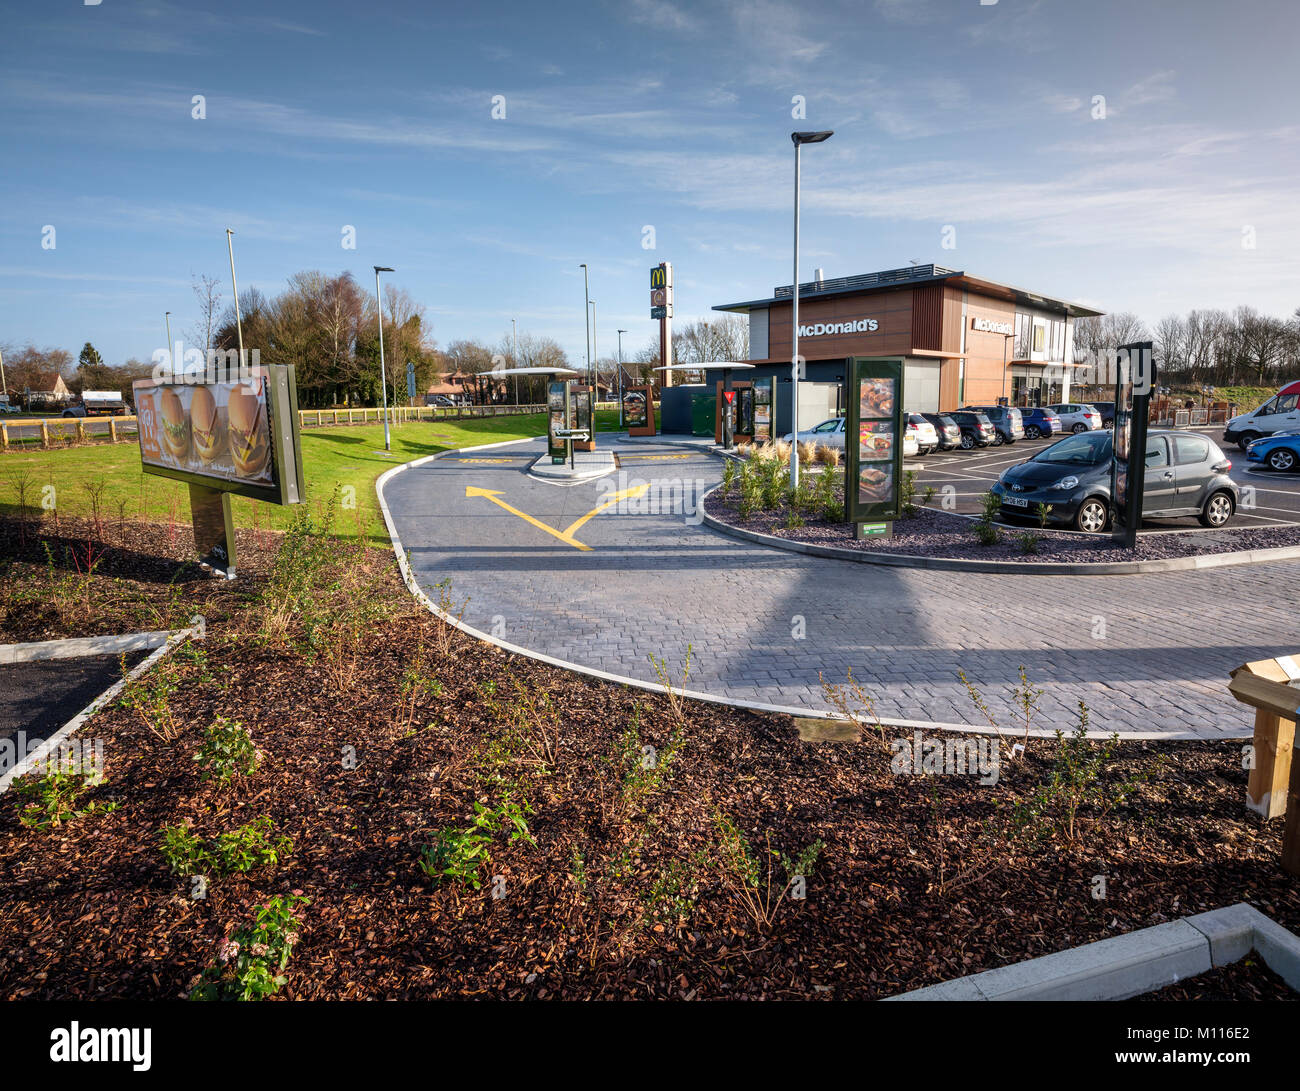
x,y
1273,743
4,434
1291,835
45,432
81,431
112,429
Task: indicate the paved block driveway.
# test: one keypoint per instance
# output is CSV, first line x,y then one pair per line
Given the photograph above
x,y
1148,653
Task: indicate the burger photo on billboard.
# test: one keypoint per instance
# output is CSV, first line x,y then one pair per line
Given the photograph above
x,y
208,432
248,445
175,425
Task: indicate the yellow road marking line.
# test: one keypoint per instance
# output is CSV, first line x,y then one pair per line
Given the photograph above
x,y
494,495
654,458
636,490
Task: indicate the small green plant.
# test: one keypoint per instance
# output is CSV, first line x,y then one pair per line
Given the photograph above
x,y
752,880
461,855
793,520
671,897
250,964
578,868
833,512
1027,541
1077,784
676,700
149,697
52,798
907,494
227,752
729,469
854,703
241,850
986,531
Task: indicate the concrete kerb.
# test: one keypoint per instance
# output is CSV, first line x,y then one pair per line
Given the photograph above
x,y
81,646
1005,568
796,713
51,745
1139,962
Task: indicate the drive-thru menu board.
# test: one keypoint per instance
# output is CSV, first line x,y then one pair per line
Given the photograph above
x,y
874,439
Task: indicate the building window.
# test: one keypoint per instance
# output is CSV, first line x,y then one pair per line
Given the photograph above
x,y
1040,337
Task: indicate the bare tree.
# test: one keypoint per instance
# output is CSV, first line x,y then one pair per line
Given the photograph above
x,y
205,291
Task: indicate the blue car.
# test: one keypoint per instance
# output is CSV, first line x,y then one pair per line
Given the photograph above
x,y
1040,422
1280,452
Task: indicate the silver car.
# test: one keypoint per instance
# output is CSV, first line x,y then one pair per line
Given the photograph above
x,y
1077,417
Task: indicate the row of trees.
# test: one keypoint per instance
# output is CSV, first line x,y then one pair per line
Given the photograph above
x,y
1204,347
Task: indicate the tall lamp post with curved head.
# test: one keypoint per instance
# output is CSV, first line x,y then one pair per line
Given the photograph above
x,y
799,139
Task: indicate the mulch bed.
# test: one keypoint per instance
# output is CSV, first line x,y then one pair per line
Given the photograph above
x,y
933,532
67,577
1246,979
620,897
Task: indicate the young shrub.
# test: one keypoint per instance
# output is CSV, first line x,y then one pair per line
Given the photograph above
x,y
52,799
227,752
250,964
752,880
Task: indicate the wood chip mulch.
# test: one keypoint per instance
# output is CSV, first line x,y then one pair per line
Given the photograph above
x,y
621,897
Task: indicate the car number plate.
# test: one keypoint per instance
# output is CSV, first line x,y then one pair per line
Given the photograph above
x,y
1015,501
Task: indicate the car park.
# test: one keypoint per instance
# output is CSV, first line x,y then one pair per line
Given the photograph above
x,y
1077,417
946,429
927,439
1007,424
1280,452
976,429
1280,413
1186,474
1039,422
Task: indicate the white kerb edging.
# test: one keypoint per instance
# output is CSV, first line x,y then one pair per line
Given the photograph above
x,y
51,745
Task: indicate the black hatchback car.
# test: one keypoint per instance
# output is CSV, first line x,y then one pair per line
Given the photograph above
x,y
976,429
1186,474
1007,423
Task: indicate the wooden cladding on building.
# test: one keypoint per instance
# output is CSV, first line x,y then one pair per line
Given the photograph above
x,y
892,312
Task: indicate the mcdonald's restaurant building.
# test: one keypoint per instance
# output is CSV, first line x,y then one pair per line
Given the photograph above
x,y
965,341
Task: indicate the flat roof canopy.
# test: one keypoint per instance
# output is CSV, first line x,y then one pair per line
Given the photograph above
x,y
715,365
534,371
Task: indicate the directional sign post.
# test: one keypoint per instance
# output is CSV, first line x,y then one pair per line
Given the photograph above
x,y
410,381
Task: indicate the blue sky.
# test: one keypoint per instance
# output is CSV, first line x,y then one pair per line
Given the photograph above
x,y
634,113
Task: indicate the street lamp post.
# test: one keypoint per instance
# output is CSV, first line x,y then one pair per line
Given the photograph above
x,y
586,329
620,377
514,353
595,358
383,378
799,140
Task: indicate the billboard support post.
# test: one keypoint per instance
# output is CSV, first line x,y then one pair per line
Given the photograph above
x,y
214,529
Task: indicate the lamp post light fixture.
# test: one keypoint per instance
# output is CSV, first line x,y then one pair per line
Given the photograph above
x,y
799,140
239,322
586,328
383,378
620,377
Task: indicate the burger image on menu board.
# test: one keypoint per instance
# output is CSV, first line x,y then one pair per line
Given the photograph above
x,y
205,425
175,425
248,445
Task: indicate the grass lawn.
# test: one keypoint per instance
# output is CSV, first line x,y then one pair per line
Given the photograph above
x,y
343,456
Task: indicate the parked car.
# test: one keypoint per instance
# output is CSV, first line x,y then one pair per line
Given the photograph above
x,y
1280,452
1039,422
1186,474
1279,413
438,399
1077,417
947,429
927,439
6,406
1107,411
911,448
976,429
830,433
1008,425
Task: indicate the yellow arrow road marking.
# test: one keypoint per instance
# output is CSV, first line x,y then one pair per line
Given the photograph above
x,y
494,494
614,498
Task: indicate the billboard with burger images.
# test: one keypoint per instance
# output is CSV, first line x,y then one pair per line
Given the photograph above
x,y
238,436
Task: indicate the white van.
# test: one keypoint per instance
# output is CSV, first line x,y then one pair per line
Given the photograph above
x,y
1281,413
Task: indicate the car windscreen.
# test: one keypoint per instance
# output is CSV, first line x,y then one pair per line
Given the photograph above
x,y
1085,449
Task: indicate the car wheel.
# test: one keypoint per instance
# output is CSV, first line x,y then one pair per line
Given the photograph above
x,y
1282,459
1247,438
1218,509
967,441
1092,516
1032,432
1079,428
998,441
